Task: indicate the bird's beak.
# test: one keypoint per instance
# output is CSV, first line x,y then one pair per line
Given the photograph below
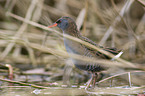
x,y
53,25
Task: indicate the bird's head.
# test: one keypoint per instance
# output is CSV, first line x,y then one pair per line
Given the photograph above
x,y
64,23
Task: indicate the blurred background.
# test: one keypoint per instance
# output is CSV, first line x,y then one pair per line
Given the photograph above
x,y
37,55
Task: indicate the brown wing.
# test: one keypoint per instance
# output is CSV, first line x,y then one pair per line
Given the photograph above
x,y
95,53
114,51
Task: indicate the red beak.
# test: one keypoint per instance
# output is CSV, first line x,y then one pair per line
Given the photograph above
x,y
55,24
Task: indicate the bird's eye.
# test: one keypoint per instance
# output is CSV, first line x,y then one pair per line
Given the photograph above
x,y
59,21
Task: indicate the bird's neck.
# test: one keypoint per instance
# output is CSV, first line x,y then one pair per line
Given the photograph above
x,y
73,32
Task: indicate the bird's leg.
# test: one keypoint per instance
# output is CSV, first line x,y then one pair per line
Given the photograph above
x,y
90,81
111,81
95,75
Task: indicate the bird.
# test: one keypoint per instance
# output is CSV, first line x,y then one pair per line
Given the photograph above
x,y
69,27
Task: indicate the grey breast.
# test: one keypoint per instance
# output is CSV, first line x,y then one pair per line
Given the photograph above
x,y
74,47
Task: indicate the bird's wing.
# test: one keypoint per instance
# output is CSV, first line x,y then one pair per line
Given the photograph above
x,y
114,51
98,54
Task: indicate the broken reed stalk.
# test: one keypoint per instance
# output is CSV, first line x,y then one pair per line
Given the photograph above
x,y
118,75
65,55
24,84
10,68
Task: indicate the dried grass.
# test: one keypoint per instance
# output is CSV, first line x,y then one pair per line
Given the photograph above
x,y
25,38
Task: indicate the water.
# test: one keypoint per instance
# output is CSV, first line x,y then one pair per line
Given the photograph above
x,y
58,91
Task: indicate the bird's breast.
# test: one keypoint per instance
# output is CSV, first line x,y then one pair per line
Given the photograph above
x,y
73,47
